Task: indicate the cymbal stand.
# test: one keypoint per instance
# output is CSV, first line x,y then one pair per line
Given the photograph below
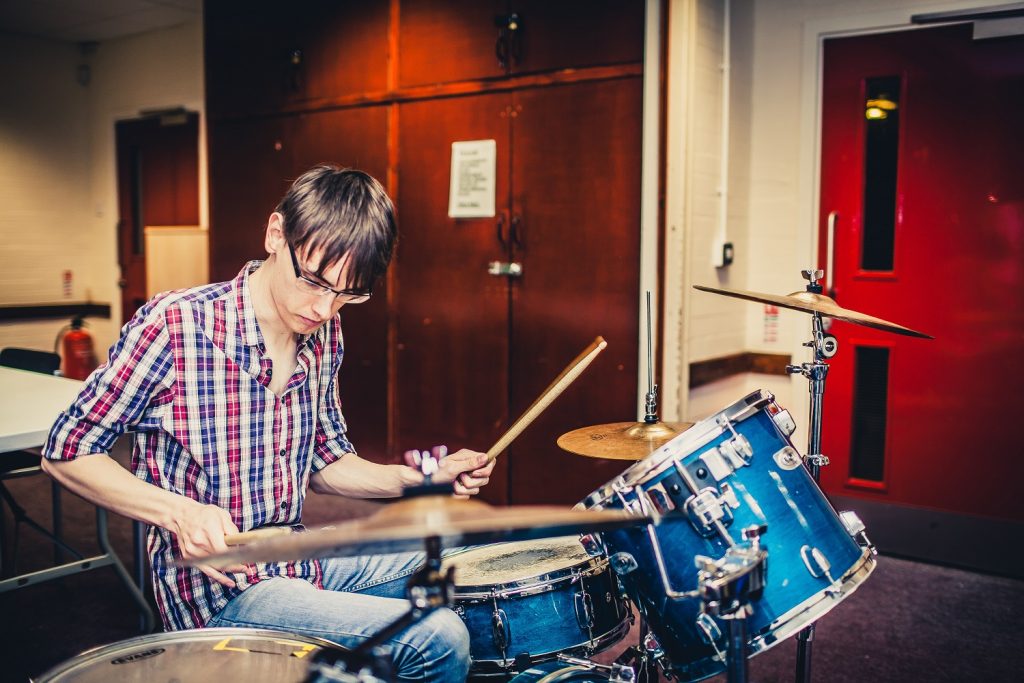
x,y
824,346
429,588
651,397
727,586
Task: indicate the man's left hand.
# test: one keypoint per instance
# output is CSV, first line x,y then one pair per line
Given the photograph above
x,y
467,470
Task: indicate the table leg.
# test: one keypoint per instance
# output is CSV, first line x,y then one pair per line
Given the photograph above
x,y
140,599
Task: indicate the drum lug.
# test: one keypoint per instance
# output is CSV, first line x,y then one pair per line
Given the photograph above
x,y
584,606
856,529
705,509
817,564
501,630
784,421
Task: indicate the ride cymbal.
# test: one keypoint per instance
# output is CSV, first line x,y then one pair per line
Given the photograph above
x,y
809,302
621,440
403,526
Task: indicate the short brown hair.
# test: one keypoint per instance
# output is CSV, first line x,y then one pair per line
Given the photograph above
x,y
341,212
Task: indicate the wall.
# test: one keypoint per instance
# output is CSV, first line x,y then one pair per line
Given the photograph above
x,y
45,222
58,196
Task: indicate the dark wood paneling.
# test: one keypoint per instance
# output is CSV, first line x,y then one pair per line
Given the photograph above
x,y
443,42
261,58
576,189
250,169
451,316
573,34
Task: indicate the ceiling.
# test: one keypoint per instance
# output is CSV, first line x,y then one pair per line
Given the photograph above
x,y
77,21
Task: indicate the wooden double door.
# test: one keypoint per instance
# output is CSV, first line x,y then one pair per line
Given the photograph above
x,y
473,349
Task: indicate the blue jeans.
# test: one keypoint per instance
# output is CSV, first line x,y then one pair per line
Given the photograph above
x,y
361,595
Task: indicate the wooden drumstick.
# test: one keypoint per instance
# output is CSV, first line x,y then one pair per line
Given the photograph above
x,y
571,372
261,534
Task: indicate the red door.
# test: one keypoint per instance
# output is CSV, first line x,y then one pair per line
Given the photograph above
x,y
922,177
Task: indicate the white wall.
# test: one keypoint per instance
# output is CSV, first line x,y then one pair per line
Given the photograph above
x,y
58,194
45,225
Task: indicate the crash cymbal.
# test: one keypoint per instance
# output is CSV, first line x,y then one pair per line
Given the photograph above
x,y
817,303
621,440
403,526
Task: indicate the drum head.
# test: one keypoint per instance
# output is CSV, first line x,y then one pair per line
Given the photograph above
x,y
214,654
505,563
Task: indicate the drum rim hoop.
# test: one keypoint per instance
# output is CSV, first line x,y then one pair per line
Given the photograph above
x,y
695,437
186,635
539,583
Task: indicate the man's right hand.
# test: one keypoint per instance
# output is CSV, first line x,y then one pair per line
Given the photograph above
x,y
201,531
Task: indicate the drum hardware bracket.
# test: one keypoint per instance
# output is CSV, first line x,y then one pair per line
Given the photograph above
x,y
684,474
707,511
622,563
593,545
617,673
817,459
787,458
857,530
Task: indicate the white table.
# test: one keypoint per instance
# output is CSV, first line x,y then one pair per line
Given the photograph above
x,y
29,405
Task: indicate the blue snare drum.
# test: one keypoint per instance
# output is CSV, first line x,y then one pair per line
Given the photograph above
x,y
733,471
532,600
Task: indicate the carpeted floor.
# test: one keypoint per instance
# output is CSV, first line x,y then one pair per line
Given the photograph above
x,y
909,622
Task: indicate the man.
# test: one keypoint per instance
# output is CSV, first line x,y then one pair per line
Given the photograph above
x,y
232,391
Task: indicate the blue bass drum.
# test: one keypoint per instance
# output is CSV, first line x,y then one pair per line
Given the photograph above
x,y
531,600
731,472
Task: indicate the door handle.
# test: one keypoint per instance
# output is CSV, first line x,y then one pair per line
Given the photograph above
x,y
830,253
499,268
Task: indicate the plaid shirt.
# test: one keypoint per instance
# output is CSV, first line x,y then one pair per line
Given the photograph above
x,y
190,377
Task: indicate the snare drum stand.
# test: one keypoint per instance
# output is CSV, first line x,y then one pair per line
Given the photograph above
x,y
824,346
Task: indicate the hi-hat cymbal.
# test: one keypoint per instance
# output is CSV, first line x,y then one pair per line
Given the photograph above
x,y
621,440
403,526
817,303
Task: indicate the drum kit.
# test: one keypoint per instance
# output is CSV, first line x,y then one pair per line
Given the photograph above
x,y
716,539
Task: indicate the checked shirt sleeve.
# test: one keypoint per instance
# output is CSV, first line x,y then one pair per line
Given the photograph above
x,y
330,442
119,396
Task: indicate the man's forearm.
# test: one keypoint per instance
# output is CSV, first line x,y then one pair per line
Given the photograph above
x,y
102,481
355,477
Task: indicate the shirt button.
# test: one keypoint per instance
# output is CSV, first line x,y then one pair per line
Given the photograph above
x,y
283,453
270,372
284,505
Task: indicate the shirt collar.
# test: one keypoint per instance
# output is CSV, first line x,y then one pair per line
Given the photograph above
x,y
250,329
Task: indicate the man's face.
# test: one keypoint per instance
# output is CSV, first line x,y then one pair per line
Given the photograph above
x,y
301,307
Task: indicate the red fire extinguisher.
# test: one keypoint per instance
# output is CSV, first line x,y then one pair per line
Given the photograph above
x,y
78,356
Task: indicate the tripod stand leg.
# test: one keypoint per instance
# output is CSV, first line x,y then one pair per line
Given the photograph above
x,y
803,654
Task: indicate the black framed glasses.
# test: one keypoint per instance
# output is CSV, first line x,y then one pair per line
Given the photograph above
x,y
356,295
